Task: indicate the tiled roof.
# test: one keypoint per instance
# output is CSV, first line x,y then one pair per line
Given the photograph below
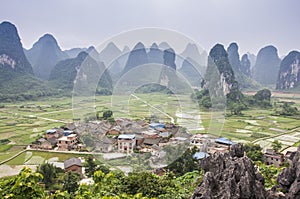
x,y
72,161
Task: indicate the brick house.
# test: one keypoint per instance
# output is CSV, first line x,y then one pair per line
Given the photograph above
x,y
41,143
73,165
271,157
66,143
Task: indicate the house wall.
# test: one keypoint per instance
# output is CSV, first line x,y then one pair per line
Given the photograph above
x,y
74,168
126,145
277,160
64,145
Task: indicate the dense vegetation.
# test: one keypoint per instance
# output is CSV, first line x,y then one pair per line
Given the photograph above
x,y
236,101
107,184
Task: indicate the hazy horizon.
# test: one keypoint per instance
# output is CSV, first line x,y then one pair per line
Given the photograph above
x,y
252,24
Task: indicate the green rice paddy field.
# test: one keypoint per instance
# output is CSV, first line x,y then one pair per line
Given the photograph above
x,y
23,122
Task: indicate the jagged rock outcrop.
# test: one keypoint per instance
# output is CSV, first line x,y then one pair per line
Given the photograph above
x,y
44,55
289,72
266,68
231,176
245,65
289,179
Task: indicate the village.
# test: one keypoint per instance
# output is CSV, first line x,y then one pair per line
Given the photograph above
x,y
126,137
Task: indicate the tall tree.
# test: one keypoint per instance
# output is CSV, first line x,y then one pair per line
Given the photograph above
x,y
71,182
49,173
276,145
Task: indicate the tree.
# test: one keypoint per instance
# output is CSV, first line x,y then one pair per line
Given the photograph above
x,y
236,108
90,166
276,145
107,114
24,185
49,173
288,110
185,163
71,182
254,151
270,173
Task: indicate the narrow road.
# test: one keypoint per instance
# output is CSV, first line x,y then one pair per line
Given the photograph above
x,y
166,114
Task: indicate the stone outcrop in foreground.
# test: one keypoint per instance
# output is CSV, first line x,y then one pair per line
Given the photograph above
x,y
231,176
289,179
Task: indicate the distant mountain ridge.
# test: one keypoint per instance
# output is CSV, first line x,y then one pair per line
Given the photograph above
x,y
44,54
16,74
266,68
65,72
11,51
241,68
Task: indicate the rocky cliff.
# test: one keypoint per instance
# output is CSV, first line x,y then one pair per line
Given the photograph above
x,y
289,179
241,68
230,176
12,57
233,175
289,72
219,73
246,65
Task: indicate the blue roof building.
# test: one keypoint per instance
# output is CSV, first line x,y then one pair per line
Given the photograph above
x,y
200,155
156,125
224,141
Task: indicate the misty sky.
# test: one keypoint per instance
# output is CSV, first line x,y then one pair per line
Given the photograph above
x,y
76,23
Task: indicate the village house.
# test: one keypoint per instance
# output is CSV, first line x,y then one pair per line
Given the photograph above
x,y
41,143
126,143
150,134
54,133
105,145
271,157
151,141
73,165
66,143
217,148
199,140
114,131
